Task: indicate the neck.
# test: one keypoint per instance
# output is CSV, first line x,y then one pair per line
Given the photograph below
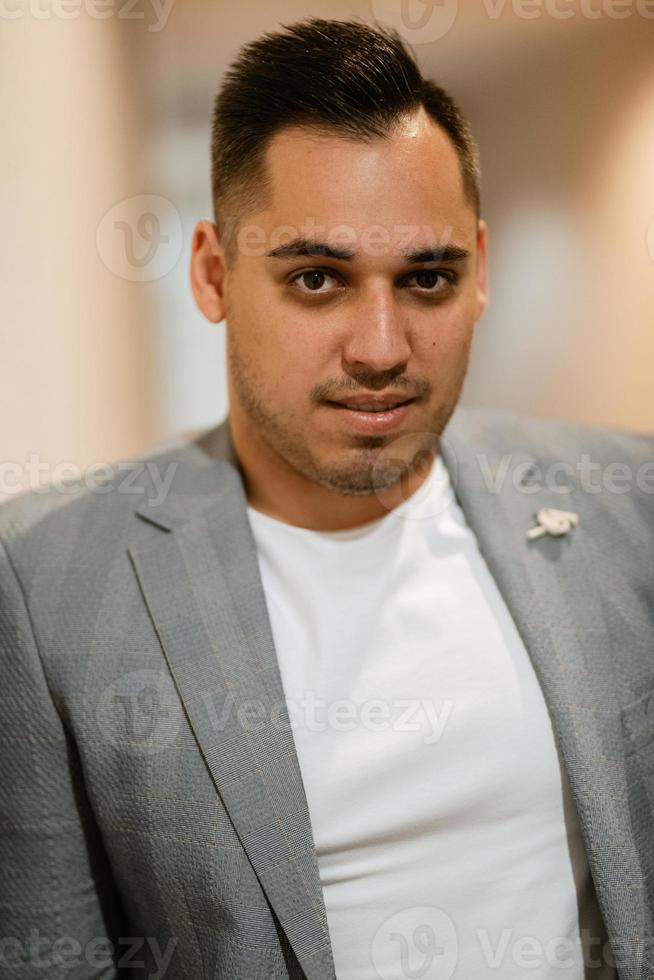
x,y
275,488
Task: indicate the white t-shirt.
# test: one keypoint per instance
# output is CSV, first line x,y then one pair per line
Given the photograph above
x,y
446,835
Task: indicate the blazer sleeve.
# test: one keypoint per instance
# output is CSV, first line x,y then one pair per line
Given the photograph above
x,y
60,915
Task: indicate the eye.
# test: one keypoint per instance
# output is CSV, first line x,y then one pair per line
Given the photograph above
x,y
434,280
314,279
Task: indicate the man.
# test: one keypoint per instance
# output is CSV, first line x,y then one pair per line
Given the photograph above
x,y
357,683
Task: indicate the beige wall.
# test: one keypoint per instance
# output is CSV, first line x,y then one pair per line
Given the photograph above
x,y
76,379
567,137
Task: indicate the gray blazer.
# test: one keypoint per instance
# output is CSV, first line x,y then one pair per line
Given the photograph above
x,y
153,816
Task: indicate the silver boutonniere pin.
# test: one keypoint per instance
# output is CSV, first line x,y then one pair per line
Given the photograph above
x,y
554,522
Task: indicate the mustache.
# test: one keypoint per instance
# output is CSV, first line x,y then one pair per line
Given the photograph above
x,y
403,388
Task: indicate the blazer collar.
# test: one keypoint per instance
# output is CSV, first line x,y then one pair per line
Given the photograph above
x,y
201,583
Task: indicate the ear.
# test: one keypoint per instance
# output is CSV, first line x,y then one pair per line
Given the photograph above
x,y
482,266
208,271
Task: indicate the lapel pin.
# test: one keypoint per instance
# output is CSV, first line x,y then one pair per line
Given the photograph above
x,y
554,522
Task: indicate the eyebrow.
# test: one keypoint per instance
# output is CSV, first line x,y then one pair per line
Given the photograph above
x,y
312,247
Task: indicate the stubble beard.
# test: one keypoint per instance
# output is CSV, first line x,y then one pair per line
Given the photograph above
x,y
370,467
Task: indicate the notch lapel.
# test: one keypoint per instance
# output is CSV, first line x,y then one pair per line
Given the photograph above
x,y
201,584
548,586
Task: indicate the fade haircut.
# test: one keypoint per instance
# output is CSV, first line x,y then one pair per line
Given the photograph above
x,y
334,77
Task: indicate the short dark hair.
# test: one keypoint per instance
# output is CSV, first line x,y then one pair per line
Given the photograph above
x,y
332,76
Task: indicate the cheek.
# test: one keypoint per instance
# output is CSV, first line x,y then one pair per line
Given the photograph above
x,y
285,354
448,335
290,363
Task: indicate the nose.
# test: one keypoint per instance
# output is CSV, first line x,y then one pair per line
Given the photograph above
x,y
377,339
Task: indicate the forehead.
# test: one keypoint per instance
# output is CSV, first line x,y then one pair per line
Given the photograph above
x,y
410,178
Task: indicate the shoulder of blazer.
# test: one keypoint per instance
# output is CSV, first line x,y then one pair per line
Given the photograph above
x,y
547,436
187,467
608,471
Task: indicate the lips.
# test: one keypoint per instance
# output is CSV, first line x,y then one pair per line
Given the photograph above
x,y
369,404
367,415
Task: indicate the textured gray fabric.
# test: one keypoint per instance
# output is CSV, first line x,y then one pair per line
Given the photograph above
x,y
150,786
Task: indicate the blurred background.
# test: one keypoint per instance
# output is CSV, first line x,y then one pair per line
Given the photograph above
x,y
106,111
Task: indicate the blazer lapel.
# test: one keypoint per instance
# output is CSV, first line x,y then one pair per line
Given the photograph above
x,y
547,584
201,583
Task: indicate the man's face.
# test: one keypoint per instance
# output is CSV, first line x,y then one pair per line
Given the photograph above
x,y
307,330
